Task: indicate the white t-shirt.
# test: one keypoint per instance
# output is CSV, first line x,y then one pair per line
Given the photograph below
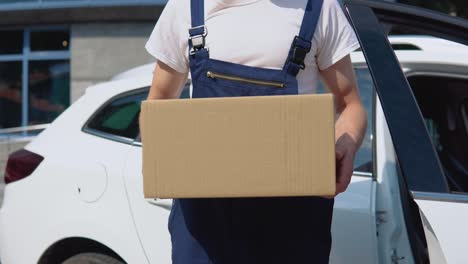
x,y
256,33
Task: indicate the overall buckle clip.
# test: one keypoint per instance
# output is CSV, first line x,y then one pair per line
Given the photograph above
x,y
197,38
300,51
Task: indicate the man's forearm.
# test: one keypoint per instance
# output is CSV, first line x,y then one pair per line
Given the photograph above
x,y
352,123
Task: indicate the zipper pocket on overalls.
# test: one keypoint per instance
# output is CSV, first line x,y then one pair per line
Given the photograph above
x,y
214,75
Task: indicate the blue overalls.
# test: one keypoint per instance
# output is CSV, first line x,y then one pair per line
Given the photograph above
x,y
249,230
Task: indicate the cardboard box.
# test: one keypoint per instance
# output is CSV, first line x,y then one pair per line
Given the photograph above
x,y
239,146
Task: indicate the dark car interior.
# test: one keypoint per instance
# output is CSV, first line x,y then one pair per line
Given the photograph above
x,y
444,105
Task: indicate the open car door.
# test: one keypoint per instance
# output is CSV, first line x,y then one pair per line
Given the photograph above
x,y
435,212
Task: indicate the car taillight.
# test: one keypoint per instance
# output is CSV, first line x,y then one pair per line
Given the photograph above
x,y
21,164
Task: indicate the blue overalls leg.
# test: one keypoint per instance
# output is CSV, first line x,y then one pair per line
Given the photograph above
x,y
249,230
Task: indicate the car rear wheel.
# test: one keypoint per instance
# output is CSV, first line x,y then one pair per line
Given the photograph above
x,y
92,258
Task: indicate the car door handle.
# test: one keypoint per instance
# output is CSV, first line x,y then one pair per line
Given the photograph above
x,y
164,203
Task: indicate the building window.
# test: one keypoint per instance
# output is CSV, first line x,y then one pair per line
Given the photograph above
x,y
10,93
50,40
34,75
12,42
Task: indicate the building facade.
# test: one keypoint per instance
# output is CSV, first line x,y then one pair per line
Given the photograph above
x,y
51,50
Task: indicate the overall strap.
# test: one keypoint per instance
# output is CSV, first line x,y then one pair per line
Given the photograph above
x,y
198,31
303,42
197,8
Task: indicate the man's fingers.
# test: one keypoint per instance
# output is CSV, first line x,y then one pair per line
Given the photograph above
x,y
344,172
340,173
339,153
344,153
340,187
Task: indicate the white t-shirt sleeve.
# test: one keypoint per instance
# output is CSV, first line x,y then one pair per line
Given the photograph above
x,y
169,38
335,36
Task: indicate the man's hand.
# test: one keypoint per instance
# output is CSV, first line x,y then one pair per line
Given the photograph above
x,y
351,121
345,150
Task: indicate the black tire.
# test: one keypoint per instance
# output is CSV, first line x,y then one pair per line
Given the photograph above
x,y
92,258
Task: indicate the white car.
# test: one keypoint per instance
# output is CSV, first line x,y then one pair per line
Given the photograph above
x,y
74,194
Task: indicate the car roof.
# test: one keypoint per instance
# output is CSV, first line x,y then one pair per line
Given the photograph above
x,y
136,71
409,50
425,43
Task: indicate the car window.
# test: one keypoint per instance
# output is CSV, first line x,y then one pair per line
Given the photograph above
x,y
363,161
119,117
443,104
186,92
